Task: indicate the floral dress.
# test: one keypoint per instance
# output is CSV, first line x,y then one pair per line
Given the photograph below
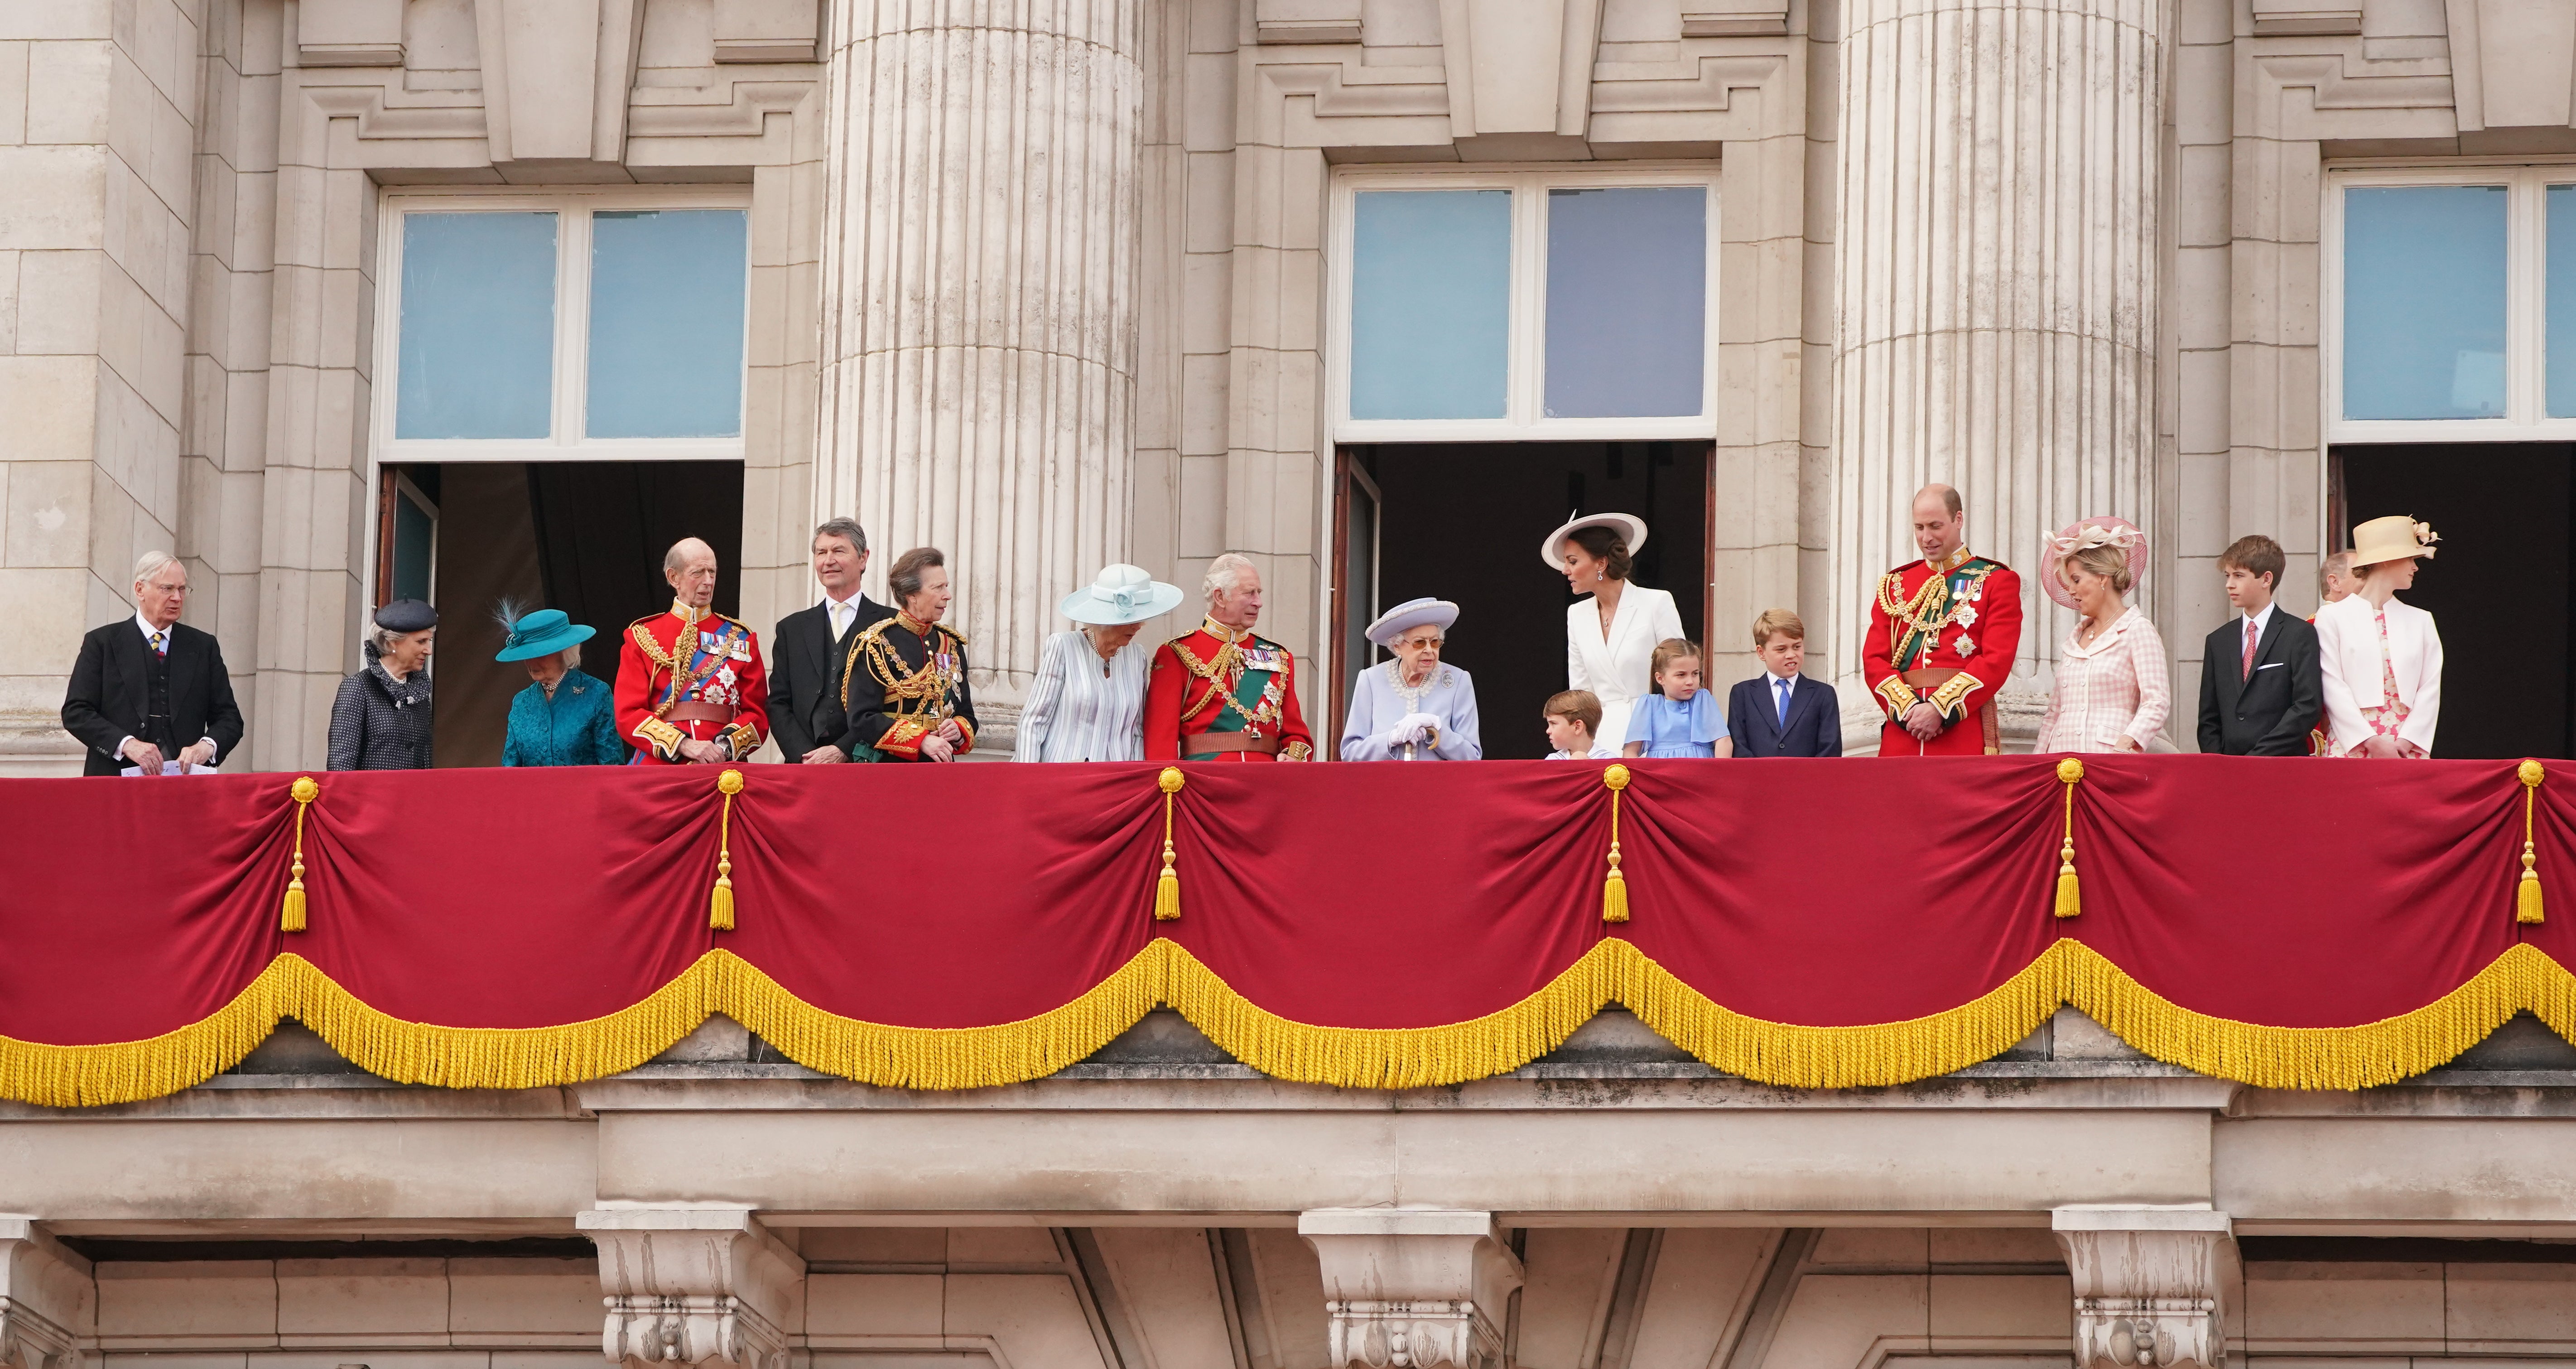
x,y
2387,718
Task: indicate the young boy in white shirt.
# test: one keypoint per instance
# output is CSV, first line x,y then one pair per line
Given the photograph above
x,y
1572,717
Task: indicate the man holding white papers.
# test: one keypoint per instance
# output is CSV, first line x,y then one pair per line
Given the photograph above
x,y
149,691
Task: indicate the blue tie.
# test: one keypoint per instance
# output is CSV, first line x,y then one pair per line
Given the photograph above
x,y
1783,687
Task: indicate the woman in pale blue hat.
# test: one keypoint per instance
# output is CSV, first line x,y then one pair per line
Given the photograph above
x,y
1413,708
565,717
1088,701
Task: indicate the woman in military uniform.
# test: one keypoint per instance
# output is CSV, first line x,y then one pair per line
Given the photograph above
x,y
904,680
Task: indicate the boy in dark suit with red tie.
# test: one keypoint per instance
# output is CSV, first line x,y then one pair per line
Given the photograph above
x,y
2262,685
1781,712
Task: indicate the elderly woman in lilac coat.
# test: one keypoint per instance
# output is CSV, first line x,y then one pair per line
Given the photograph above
x,y
1414,707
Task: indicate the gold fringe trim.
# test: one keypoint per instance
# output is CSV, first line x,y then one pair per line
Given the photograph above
x,y
1395,1057
1613,971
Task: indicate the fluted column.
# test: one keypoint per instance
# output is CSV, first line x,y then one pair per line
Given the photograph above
x,y
978,271
1997,279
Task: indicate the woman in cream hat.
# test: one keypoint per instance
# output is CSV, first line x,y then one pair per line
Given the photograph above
x,y
1413,707
2382,658
1088,701
1610,638
2110,692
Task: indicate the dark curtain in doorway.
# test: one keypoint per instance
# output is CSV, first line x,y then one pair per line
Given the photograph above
x,y
602,527
1463,521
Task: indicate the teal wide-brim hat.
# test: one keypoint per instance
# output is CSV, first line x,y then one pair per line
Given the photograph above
x,y
1123,594
542,633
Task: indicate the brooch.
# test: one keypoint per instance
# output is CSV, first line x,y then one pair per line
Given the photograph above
x,y
1964,646
1966,616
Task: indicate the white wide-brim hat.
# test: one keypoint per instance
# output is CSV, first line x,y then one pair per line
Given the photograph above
x,y
1631,530
1411,614
1123,594
2393,538
2097,531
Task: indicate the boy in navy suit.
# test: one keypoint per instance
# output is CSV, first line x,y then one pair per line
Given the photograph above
x,y
1781,712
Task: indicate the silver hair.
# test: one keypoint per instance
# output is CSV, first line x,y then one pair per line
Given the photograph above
x,y
674,558
150,563
847,529
382,638
1225,572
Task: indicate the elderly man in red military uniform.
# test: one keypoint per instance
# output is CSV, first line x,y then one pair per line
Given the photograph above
x,y
1221,693
1942,633
689,687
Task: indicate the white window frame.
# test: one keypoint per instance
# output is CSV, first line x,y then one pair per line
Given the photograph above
x,y
572,209
1525,351
2526,304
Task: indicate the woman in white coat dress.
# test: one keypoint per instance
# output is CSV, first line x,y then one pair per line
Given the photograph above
x,y
2382,658
1610,638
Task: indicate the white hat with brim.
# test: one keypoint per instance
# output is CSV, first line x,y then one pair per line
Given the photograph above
x,y
1631,530
2393,538
1411,614
1123,594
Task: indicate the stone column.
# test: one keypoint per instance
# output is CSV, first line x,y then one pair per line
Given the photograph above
x,y
2146,1285
695,1286
1413,1288
1997,248
979,299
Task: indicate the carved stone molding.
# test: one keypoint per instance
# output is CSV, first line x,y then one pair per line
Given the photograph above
x,y
2146,1285
45,1308
1412,1288
694,1286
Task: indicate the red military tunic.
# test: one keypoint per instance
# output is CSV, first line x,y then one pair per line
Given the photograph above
x,y
690,674
1945,634
1223,695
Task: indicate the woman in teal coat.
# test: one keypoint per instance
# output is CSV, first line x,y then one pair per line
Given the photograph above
x,y
565,717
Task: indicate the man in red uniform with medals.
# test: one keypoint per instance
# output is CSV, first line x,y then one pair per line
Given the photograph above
x,y
1221,693
689,687
1942,633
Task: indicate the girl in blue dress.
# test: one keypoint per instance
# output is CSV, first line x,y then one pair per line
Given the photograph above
x,y
1679,719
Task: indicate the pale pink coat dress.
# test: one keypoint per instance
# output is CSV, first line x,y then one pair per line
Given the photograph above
x,y
2111,689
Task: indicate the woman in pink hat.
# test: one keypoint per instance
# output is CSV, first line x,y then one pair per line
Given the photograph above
x,y
2111,693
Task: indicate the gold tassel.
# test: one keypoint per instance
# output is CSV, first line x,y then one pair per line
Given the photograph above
x,y
2070,896
290,918
1167,888
2526,899
720,903
1614,887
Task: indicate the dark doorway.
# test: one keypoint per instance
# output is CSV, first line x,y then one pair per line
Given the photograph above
x,y
2497,589
1463,521
586,537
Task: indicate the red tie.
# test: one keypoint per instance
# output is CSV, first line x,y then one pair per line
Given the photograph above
x,y
2249,649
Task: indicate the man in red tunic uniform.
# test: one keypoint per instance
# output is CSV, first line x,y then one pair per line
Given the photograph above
x,y
1221,693
1942,633
689,687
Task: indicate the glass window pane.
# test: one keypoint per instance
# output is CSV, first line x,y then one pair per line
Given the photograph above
x,y
666,299
1430,303
478,326
2559,345
2423,301
1627,301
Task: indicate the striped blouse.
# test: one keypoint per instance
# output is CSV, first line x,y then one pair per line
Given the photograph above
x,y
1076,711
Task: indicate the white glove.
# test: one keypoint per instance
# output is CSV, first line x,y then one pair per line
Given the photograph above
x,y
1412,727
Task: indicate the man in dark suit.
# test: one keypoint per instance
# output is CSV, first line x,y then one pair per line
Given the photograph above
x,y
1781,712
149,690
2261,687
807,654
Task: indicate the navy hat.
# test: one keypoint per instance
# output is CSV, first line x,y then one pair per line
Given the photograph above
x,y
406,615
542,633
